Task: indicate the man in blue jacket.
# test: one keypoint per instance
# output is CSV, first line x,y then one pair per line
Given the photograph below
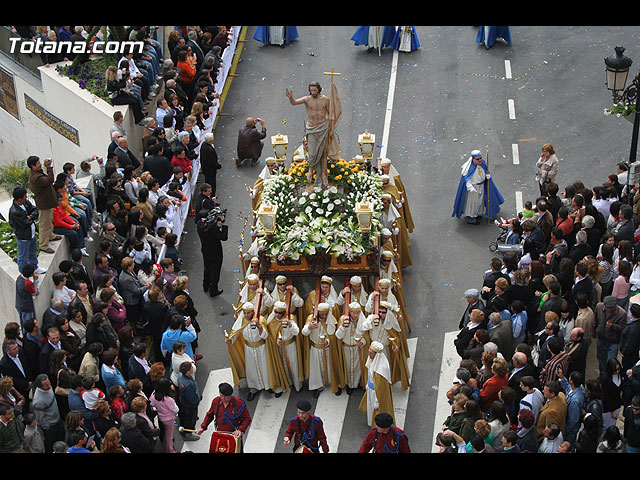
x,y
189,400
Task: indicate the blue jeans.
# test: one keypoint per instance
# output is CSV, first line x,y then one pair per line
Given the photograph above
x,y
88,202
75,236
27,252
604,352
24,316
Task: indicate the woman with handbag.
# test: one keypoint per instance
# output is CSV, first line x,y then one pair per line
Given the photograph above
x,y
59,370
546,167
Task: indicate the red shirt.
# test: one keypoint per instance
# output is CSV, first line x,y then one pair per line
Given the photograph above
x,y
394,441
490,389
118,406
61,219
311,431
183,163
235,416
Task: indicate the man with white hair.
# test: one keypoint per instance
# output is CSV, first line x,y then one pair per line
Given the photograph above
x,y
209,163
378,397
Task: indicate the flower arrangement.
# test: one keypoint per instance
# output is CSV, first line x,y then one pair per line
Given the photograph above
x,y
321,218
89,75
621,109
339,172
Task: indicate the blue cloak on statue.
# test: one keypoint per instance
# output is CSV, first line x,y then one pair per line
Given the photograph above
x,y
262,34
415,43
488,35
495,198
361,37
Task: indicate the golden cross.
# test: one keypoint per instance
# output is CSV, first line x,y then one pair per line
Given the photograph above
x,y
332,73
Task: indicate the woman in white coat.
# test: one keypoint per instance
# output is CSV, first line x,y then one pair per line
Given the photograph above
x,y
546,167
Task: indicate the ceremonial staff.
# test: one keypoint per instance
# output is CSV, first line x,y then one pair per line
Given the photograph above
x,y
331,132
322,337
488,192
288,316
258,306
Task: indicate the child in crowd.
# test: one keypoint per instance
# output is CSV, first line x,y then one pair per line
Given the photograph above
x,y
527,211
118,403
33,436
90,394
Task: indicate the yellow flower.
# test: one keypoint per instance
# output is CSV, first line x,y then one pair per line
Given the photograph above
x,y
339,177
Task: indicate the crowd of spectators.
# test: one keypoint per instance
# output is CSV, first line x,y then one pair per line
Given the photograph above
x,y
109,366
549,341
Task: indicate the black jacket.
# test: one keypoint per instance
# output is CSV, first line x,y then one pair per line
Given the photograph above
x,y
630,339
126,158
20,221
209,159
134,440
159,167
10,369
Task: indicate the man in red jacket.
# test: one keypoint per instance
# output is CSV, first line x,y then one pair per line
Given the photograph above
x,y
385,437
229,413
306,430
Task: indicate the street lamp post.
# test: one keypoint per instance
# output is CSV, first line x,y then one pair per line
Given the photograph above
x,y
617,68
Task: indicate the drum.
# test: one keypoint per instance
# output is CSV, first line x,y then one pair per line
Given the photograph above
x,y
303,449
224,442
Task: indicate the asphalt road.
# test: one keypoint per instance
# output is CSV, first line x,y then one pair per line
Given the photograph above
x,y
451,96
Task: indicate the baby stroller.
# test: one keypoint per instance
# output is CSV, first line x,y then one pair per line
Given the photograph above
x,y
502,244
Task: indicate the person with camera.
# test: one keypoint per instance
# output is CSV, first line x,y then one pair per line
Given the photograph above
x,y
44,195
250,141
212,231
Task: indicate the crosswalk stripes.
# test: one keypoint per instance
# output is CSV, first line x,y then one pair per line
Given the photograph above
x,y
448,367
268,419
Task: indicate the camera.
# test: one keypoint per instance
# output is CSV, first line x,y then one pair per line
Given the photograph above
x,y
216,216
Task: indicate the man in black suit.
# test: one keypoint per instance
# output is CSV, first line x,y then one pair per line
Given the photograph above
x,y
577,349
154,312
209,161
138,367
14,364
50,317
157,164
211,234
624,228
582,284
79,271
521,368
32,345
126,156
52,343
